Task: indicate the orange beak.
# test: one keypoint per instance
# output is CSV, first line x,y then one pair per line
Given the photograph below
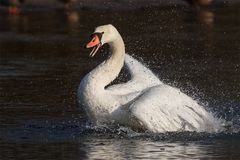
x,y
95,43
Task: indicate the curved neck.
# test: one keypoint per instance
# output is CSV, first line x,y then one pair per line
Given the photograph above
x,y
108,70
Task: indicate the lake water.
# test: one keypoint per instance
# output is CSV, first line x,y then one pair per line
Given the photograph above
x,y
42,61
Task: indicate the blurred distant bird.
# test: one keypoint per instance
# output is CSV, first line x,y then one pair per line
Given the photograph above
x,y
196,4
67,3
12,5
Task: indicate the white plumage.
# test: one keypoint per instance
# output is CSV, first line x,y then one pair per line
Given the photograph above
x,y
144,102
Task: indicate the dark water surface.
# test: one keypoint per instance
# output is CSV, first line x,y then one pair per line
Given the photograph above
x,y
42,61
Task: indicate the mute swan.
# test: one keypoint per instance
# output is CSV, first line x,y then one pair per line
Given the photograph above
x,y
143,103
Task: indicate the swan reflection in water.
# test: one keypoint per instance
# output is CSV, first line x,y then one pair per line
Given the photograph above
x,y
125,148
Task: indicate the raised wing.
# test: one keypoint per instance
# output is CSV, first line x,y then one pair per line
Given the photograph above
x,y
167,109
141,78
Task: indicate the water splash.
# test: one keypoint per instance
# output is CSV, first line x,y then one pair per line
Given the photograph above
x,y
62,131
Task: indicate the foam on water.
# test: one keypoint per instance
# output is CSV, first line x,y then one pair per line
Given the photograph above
x,y
59,130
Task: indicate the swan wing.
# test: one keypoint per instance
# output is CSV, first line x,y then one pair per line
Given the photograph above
x,y
141,78
140,73
166,109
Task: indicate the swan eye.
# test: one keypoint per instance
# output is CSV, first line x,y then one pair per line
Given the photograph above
x,y
98,34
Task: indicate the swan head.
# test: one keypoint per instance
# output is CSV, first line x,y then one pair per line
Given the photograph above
x,y
101,35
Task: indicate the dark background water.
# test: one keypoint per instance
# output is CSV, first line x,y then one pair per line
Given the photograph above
x,y
42,61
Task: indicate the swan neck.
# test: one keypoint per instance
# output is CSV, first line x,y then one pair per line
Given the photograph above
x,y
114,63
117,48
108,70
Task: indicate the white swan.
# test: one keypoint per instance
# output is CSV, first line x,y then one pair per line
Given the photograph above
x,y
143,103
